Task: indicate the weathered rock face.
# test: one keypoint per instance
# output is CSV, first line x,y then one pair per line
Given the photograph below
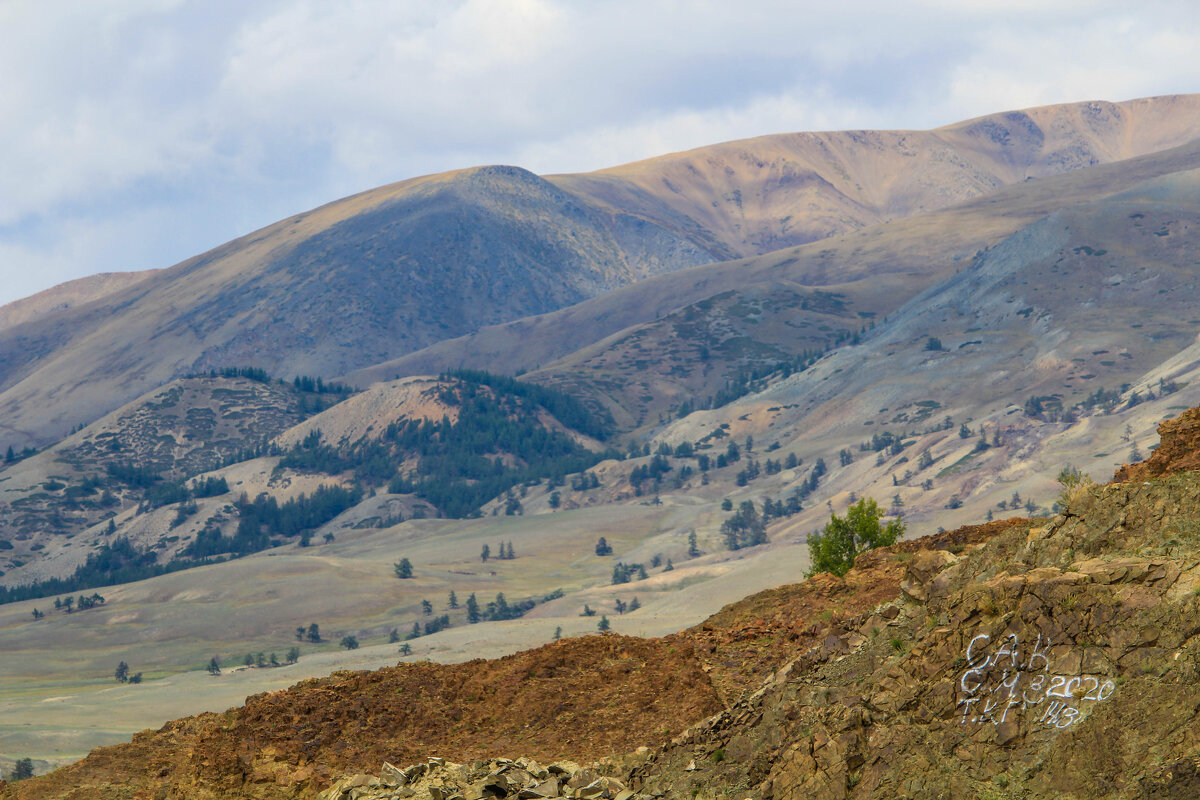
x,y
525,778
1058,662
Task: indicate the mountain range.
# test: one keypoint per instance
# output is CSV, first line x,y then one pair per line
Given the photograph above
x,y
698,357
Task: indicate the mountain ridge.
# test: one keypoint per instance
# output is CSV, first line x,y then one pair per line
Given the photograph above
x,y
211,311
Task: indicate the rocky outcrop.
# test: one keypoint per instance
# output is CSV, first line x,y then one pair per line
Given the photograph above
x,y
523,779
1056,662
1178,451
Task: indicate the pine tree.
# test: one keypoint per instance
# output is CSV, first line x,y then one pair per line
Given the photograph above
x,y
214,666
485,554
314,633
603,624
23,767
473,608
453,602
693,550
394,636
634,605
122,672
558,633
403,568
426,607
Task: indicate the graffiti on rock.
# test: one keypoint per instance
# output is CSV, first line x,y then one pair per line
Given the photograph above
x,y
1005,679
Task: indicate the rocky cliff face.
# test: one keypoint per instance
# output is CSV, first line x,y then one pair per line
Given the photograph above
x,y
1061,661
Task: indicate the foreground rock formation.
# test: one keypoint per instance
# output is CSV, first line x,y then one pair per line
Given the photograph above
x,y
1054,658
523,778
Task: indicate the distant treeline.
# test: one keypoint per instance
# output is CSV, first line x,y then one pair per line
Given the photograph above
x,y
112,563
302,383
262,522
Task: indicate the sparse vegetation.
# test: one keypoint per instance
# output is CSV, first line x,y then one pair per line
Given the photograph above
x,y
1073,483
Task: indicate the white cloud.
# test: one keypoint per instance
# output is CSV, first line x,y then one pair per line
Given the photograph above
x,y
205,120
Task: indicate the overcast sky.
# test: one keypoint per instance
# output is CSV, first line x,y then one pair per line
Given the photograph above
x,y
137,133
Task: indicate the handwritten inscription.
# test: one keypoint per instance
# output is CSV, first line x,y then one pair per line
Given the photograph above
x,y
1003,679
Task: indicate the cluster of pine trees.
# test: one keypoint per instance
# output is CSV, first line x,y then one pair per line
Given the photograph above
x,y
624,573
498,609
262,520
496,443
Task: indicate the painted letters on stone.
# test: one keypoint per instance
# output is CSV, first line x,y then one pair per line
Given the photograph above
x,y
1008,679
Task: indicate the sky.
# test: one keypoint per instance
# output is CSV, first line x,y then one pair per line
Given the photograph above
x,y
138,133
